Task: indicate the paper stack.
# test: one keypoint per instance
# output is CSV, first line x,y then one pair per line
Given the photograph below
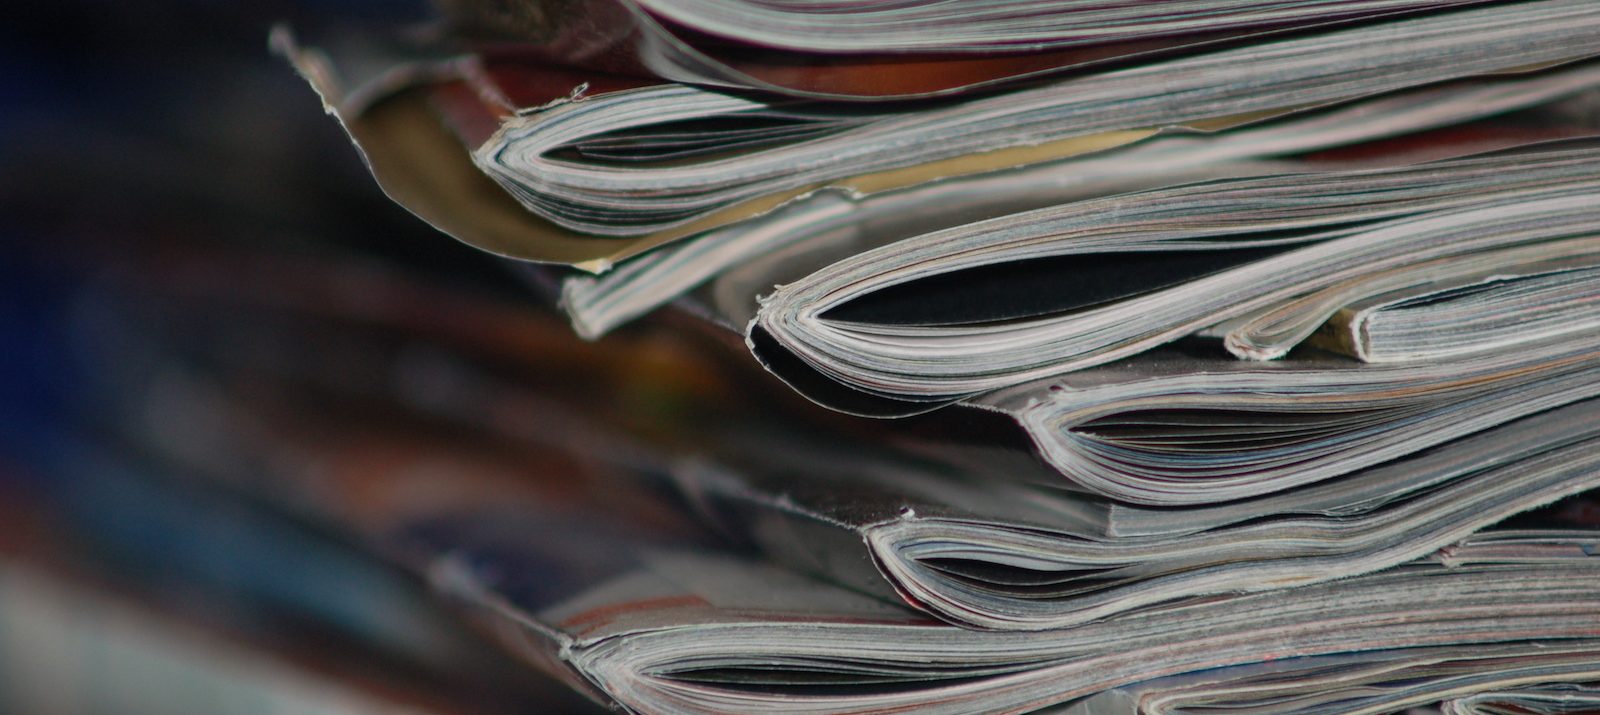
x,y
1067,356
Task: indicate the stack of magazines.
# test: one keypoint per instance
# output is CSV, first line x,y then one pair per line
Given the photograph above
x,y
1071,356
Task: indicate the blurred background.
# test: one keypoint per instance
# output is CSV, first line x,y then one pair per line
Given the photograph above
x,y
149,146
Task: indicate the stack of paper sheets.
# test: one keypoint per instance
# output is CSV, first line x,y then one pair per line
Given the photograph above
x,y
1195,300
1069,356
